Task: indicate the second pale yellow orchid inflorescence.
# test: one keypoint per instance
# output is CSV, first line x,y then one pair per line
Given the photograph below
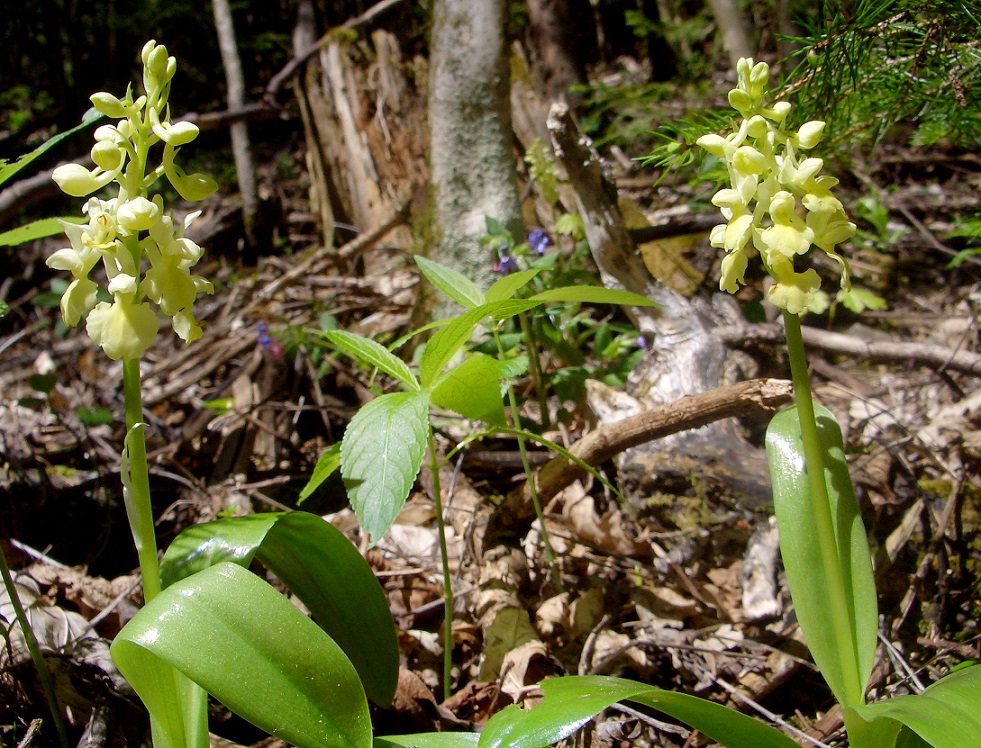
x,y
778,204
146,258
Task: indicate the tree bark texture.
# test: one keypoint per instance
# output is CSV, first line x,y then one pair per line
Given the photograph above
x,y
365,130
241,152
472,159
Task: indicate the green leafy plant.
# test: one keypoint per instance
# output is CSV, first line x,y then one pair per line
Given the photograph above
x,y
383,447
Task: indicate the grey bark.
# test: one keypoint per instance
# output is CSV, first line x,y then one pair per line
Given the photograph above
x,y
735,37
472,160
244,167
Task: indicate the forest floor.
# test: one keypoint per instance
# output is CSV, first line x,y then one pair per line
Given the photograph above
x,y
652,587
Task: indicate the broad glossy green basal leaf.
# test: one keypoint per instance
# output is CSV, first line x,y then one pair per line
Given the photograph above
x,y
801,550
249,647
429,740
569,703
317,564
381,454
946,715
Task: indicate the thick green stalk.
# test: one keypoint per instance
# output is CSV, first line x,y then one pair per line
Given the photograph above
x,y
137,497
823,525
40,664
447,581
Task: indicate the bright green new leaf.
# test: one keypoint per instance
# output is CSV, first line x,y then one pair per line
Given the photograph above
x,y
458,287
374,354
36,230
569,703
593,295
317,564
946,715
801,550
429,740
7,170
505,287
381,454
473,389
446,343
248,646
329,461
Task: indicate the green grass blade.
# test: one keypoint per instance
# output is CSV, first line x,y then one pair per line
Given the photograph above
x,y
247,645
801,551
317,564
569,703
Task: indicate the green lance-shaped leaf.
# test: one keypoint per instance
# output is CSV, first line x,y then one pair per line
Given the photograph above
x,y
381,454
946,715
317,564
328,463
801,550
593,295
247,645
569,703
473,389
8,170
507,286
37,230
374,354
429,740
449,340
458,287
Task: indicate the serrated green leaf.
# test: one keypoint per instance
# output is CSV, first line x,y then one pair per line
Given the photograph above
x,y
36,230
473,389
317,564
329,461
506,287
458,287
446,343
801,550
374,354
571,702
247,645
946,715
381,454
593,295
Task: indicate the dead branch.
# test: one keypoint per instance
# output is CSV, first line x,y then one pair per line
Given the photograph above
x,y
692,412
927,354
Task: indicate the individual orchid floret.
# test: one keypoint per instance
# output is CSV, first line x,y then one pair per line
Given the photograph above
x,y
777,204
124,329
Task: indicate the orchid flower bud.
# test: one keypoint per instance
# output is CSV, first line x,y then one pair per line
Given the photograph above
x,y
77,181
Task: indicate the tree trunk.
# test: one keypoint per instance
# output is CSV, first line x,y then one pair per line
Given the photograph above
x,y
244,167
472,159
735,38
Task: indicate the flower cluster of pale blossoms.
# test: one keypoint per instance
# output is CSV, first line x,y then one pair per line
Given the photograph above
x,y
778,204
146,257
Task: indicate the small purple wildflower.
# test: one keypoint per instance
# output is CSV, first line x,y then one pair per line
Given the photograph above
x,y
538,241
641,342
265,339
505,265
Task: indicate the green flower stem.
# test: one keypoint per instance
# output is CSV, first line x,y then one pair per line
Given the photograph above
x,y
138,506
535,364
532,488
814,465
40,664
447,581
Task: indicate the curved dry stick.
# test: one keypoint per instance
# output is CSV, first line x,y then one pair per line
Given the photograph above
x,y
606,442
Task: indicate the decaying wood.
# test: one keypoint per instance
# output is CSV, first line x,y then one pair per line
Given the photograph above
x,y
886,351
695,411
